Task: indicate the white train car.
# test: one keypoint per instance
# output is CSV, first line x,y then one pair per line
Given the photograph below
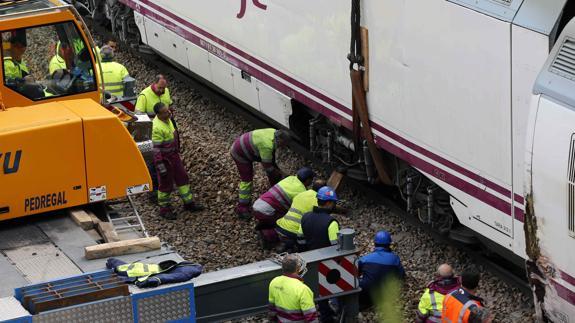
x,y
477,143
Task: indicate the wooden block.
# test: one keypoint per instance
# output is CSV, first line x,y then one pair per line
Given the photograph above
x,y
106,230
335,180
113,249
82,218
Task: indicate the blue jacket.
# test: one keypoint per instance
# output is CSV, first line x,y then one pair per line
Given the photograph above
x,y
377,266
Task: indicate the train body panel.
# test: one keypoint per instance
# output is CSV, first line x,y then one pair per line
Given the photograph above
x,y
450,87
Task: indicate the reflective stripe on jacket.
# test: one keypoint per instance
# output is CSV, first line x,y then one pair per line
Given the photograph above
x,y
430,306
139,269
147,99
460,306
302,204
258,145
280,196
114,74
13,69
290,300
164,138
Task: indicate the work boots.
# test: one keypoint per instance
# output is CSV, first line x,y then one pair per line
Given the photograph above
x,y
167,213
243,211
193,207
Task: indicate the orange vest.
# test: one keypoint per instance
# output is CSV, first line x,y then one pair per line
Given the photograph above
x,y
457,306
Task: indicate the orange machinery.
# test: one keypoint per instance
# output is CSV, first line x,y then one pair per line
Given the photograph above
x,y
59,147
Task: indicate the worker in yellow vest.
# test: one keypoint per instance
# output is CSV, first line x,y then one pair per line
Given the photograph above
x,y
290,299
113,73
15,69
156,92
168,163
289,225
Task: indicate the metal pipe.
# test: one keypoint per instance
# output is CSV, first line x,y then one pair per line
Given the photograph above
x,y
409,193
368,161
329,146
430,202
346,142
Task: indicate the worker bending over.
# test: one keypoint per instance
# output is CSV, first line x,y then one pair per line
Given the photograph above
x,y
256,146
290,299
289,226
377,270
274,203
113,73
168,163
431,302
462,305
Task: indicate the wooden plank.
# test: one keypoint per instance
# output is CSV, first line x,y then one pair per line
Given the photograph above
x,y
82,218
365,52
119,248
107,231
334,180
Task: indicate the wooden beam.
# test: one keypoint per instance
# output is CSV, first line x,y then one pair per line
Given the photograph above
x,y
334,180
120,248
107,231
82,218
365,52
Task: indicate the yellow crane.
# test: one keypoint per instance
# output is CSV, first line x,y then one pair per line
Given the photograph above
x,y
59,147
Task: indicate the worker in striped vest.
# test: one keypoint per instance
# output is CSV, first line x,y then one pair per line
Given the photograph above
x,y
289,225
276,202
256,146
431,302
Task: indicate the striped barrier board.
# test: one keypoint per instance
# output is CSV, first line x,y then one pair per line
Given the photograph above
x,y
338,275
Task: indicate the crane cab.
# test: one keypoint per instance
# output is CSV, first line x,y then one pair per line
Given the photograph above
x,y
47,54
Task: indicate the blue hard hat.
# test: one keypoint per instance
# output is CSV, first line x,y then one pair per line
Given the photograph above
x,y
382,238
326,193
305,173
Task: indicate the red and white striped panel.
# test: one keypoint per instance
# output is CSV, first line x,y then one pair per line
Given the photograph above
x,y
337,275
129,104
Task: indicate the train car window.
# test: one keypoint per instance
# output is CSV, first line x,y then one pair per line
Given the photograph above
x,y
47,61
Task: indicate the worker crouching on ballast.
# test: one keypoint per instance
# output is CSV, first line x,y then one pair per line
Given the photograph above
x,y
256,146
274,203
168,163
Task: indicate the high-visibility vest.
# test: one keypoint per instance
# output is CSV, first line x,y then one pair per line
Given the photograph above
x,y
457,306
302,204
147,99
13,69
280,196
77,45
431,305
56,63
163,137
291,300
258,145
138,269
114,74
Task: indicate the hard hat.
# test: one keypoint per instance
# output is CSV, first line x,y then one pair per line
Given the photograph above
x,y
326,193
107,53
305,173
382,238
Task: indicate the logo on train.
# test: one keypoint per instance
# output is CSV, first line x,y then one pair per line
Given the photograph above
x,y
10,161
244,6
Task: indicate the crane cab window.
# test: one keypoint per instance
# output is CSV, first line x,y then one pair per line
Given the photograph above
x,y
47,61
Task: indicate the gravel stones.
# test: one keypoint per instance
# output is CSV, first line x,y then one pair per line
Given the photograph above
x,y
217,239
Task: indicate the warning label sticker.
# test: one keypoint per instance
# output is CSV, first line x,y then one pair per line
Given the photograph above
x,y
132,190
98,194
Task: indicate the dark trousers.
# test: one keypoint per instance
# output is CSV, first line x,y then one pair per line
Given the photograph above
x,y
153,174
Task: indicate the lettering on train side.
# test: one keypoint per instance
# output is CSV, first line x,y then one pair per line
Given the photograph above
x,y
45,201
11,161
244,5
